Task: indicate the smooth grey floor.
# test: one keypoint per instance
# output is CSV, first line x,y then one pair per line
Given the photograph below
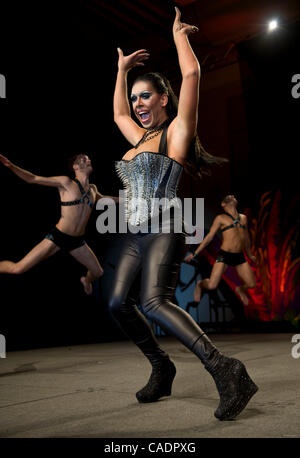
x,y
88,391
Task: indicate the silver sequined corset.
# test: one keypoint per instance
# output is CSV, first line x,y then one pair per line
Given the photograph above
x,y
148,178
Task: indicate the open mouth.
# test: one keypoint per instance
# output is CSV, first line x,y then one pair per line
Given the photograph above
x,y
144,116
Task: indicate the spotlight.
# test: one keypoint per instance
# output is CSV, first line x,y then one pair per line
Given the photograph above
x,y
273,25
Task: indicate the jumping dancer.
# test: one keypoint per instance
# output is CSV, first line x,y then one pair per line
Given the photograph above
x,y
77,200
233,226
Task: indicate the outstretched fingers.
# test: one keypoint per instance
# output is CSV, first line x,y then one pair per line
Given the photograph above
x,y
140,55
136,58
181,26
189,28
4,160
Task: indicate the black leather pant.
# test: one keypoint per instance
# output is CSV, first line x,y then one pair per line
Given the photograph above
x,y
158,256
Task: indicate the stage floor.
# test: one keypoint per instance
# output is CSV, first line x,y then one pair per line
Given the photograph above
x,y
88,391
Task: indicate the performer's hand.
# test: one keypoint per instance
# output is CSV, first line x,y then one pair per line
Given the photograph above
x,y
5,161
180,27
253,258
135,59
189,258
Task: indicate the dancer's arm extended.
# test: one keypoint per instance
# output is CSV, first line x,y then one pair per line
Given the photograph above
x,y
122,115
60,181
184,127
216,225
101,196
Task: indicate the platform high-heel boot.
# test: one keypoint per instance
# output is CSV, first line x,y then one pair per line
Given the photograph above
x,y
162,376
233,383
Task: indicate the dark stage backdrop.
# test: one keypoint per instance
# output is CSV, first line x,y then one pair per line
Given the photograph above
x,y
59,86
270,184
60,64
268,64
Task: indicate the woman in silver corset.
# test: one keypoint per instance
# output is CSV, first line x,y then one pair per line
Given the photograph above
x,y
164,145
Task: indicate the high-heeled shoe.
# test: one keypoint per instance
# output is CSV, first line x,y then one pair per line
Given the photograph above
x,y
160,382
233,383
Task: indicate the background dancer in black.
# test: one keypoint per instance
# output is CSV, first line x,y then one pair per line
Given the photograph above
x,y
161,148
77,199
234,228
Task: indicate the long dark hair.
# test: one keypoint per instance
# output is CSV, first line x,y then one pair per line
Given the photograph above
x,y
198,161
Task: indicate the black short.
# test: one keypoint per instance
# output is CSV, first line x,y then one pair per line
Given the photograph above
x,y
231,259
65,241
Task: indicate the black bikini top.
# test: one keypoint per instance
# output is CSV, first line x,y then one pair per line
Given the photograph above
x,y
235,222
84,195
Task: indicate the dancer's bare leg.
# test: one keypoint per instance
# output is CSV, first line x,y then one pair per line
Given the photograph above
x,y
197,292
43,250
247,276
87,257
212,282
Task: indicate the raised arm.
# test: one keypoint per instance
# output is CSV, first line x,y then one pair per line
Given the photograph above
x,y
184,127
216,225
30,178
122,116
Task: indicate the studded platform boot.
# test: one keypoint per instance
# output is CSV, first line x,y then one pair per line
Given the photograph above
x,y
233,383
162,376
